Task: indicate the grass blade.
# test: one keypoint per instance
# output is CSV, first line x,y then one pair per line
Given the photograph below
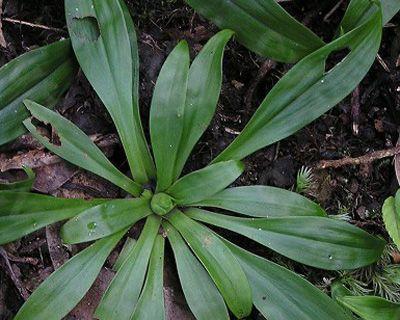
x,y
105,219
201,294
97,28
43,75
63,289
262,201
76,147
315,241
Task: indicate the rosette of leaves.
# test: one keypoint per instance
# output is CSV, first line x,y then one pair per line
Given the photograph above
x,y
216,275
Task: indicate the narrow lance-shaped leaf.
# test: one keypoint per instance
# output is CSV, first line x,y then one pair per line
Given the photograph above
x,y
63,289
263,26
281,294
262,201
372,308
166,113
23,213
203,90
391,217
151,302
23,185
201,294
219,262
43,75
307,90
105,219
315,241
76,147
359,11
122,295
205,182
97,28
125,252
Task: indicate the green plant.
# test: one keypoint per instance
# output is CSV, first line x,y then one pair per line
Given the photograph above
x,y
267,29
355,289
215,274
304,180
43,75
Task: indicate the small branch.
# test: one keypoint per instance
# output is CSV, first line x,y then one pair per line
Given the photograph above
x,y
262,72
3,42
33,25
366,159
328,15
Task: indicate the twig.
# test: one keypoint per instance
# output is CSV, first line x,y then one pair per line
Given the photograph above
x,y
3,42
15,279
262,72
355,110
328,15
366,159
33,25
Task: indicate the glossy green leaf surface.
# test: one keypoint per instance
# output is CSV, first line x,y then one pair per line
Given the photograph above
x,y
166,113
64,288
315,241
122,295
219,262
105,219
151,302
104,41
359,11
263,26
200,292
43,74
281,294
308,90
391,217
76,147
125,252
263,201
203,90
23,213
23,185
372,308
205,182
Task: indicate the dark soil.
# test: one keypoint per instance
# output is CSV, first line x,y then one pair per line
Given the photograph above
x,y
358,191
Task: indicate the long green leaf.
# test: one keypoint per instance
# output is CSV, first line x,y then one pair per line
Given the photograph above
x,y
263,26
204,86
151,302
43,75
121,297
263,201
104,220
218,260
315,241
281,294
372,308
307,90
63,289
166,114
104,41
76,147
391,217
201,294
23,213
205,182
23,185
359,11
125,252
